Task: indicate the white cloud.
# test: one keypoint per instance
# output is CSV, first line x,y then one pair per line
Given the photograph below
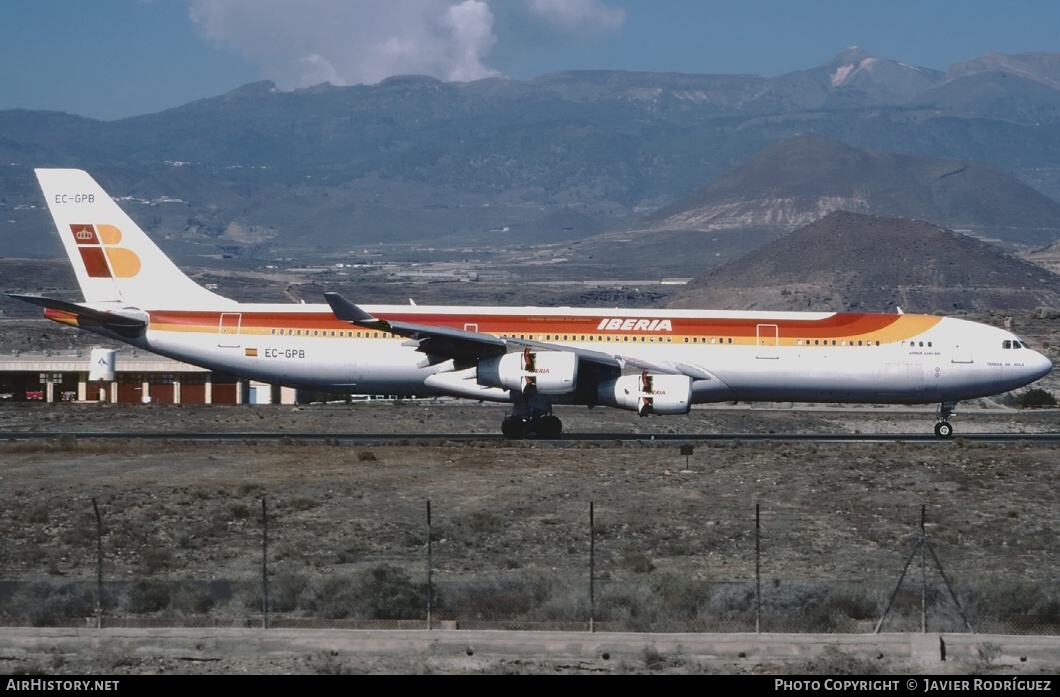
x,y
317,69
472,30
297,44
572,15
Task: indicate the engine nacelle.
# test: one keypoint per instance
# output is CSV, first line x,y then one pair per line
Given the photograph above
x,y
648,394
531,372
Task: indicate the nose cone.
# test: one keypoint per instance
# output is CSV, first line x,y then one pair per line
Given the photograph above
x,y
1036,367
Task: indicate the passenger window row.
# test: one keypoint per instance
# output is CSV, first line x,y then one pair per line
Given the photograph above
x,y
835,342
340,334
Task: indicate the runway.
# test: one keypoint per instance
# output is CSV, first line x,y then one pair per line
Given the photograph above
x,y
454,437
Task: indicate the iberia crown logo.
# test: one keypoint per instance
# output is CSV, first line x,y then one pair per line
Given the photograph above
x,y
101,254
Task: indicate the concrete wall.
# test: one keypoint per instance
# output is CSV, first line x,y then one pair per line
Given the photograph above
x,y
932,654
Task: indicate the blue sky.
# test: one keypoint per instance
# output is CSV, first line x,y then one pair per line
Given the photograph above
x,y
110,59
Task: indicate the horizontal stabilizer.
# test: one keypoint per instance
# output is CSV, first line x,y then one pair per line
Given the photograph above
x,y
128,322
113,318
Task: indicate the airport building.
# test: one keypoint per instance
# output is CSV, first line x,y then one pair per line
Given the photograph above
x,y
136,377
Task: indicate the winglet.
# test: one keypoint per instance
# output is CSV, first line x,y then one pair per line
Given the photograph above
x,y
348,312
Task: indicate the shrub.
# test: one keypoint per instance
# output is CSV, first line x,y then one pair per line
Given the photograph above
x,y
482,523
1047,313
189,598
49,604
148,596
156,559
385,592
637,562
1035,398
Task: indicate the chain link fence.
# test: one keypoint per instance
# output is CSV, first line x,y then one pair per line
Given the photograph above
x,y
201,557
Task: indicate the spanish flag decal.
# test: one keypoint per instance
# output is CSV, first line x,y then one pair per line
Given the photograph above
x,y
252,352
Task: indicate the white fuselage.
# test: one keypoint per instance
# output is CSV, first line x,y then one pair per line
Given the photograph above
x,y
648,361
742,356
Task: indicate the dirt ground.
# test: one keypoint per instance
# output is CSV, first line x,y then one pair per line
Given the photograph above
x,y
462,416
829,512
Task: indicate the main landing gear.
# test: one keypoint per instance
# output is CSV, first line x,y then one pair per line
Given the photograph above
x,y
523,421
943,429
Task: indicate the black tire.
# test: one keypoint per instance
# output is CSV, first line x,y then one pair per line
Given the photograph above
x,y
943,429
548,427
513,428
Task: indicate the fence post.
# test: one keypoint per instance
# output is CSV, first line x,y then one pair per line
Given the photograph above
x,y
592,569
99,565
430,578
758,571
924,546
264,565
923,573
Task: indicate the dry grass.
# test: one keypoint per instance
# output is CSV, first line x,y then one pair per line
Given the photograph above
x,y
182,533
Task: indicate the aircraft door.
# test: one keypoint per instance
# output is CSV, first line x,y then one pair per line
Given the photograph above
x,y
768,338
228,329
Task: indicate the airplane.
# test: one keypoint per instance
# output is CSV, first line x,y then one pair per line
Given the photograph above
x,y
653,362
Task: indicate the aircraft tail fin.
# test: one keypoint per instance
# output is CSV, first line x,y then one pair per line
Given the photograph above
x,y
113,259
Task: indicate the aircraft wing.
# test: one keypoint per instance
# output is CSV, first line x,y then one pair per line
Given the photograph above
x,y
666,368
462,345
446,342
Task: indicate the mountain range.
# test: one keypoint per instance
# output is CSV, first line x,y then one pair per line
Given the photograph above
x,y
263,173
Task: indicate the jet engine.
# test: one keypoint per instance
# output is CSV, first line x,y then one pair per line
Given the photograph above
x,y
648,394
531,372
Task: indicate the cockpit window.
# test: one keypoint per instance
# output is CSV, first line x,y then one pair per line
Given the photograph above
x,y
1006,344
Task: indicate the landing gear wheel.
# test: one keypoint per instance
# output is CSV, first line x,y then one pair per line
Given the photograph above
x,y
942,416
943,429
513,428
547,427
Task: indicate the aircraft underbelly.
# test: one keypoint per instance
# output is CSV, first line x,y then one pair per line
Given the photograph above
x,y
900,378
369,367
797,377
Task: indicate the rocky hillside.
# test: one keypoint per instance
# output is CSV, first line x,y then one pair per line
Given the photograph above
x,y
1049,257
803,179
849,261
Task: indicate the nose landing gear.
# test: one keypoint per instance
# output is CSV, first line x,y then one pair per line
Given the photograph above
x,y
943,429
